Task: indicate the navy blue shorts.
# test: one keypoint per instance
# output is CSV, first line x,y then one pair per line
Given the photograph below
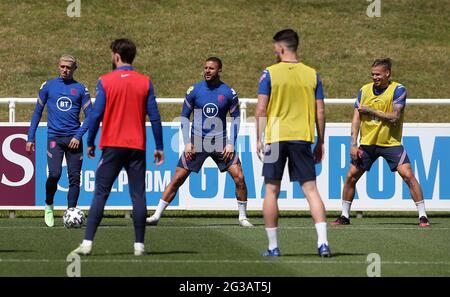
x,y
199,158
394,156
207,148
300,161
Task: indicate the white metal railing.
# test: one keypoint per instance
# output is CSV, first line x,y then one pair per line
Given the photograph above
x,y
243,103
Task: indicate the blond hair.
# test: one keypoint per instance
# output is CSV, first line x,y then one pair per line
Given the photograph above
x,y
69,58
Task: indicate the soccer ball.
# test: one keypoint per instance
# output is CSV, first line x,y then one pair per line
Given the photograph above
x,y
73,218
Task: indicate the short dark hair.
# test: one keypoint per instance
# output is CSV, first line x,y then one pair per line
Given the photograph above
x,y
385,62
289,37
125,48
215,59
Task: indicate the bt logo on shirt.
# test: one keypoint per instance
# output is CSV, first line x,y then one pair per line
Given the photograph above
x,y
210,110
64,104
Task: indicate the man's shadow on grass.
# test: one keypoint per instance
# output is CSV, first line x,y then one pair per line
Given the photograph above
x,y
148,253
415,224
316,256
232,225
15,251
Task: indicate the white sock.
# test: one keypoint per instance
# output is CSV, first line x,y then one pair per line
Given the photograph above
x,y
346,208
242,206
49,206
272,236
160,208
321,229
421,208
139,246
87,242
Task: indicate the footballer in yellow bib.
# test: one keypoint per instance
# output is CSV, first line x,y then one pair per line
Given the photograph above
x,y
378,116
290,106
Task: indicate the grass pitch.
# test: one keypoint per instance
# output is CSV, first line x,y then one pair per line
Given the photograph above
x,y
205,247
175,36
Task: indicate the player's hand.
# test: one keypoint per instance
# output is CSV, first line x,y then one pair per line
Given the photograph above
x,y
354,153
260,150
189,151
158,157
364,109
319,152
91,152
30,147
228,152
74,143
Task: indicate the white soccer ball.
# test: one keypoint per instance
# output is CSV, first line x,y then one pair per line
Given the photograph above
x,y
73,217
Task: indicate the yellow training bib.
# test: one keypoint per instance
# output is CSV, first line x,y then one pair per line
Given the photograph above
x,y
291,112
373,130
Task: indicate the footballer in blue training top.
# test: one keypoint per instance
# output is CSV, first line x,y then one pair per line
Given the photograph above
x,y
65,98
210,105
210,101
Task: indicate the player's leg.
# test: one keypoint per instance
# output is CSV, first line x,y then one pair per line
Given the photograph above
x,y
367,156
171,190
270,213
234,168
184,168
55,155
302,169
406,173
318,214
74,158
275,156
241,192
135,167
398,160
108,169
348,193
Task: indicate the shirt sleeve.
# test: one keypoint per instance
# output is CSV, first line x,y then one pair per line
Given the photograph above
x,y
86,106
400,95
319,88
37,114
235,114
155,118
265,87
188,107
96,114
358,99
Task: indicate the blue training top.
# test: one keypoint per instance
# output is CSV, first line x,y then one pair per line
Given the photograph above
x,y
64,99
210,104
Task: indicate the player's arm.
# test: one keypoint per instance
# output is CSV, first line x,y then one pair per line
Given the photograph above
x,y
188,107
86,106
390,117
393,117
36,118
319,149
234,129
95,117
155,119
264,90
356,123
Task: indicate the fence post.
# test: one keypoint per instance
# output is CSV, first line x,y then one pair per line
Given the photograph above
x,y
12,214
127,214
359,214
243,112
12,111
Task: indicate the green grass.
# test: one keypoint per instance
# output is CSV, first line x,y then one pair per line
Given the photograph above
x,y
202,246
175,36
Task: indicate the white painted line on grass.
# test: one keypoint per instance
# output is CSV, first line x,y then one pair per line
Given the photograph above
x,y
365,227
271,261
